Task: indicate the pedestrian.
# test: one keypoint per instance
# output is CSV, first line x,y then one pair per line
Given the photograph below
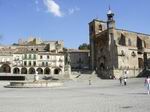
x,y
125,78
120,79
89,81
125,81
147,84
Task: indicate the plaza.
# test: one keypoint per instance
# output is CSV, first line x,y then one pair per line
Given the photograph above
x,y
78,96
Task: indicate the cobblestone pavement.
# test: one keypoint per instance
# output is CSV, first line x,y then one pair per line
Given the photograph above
x,y
101,96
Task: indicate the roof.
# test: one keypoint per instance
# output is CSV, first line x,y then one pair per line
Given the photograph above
x,y
96,19
138,33
77,50
49,53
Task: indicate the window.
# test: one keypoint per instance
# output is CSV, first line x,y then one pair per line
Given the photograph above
x,y
122,40
29,63
41,57
37,49
31,49
34,63
46,63
42,63
129,42
25,63
25,56
100,27
139,43
34,56
47,57
29,56
133,54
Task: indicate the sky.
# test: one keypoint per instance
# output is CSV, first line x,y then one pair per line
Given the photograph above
x,y
67,20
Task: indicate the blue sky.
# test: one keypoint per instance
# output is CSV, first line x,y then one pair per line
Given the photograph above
x,y
67,19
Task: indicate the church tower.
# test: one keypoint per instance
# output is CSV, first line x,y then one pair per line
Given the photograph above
x,y
110,19
95,27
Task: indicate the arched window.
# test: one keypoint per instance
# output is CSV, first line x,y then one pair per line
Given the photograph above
x,y
129,42
139,43
122,40
100,27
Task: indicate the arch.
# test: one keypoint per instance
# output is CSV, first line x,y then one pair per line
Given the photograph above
x,y
31,70
122,40
24,71
5,68
57,70
16,70
139,43
46,70
100,27
129,42
40,70
102,66
141,63
102,62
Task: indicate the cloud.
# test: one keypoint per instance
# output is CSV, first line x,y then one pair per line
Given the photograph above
x,y
73,10
53,7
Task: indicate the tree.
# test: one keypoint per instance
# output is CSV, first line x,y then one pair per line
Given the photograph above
x,y
84,46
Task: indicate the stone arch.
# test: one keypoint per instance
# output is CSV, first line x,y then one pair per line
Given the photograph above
x,y
100,27
129,42
141,63
5,68
31,70
24,70
102,66
57,70
122,40
139,43
40,70
46,70
16,70
102,62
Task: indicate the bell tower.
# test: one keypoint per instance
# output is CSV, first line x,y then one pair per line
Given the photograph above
x,y
95,27
110,19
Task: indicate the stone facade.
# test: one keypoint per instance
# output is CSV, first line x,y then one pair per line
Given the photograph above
x,y
46,57
79,59
115,50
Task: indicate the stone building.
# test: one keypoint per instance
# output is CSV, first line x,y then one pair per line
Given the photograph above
x,y
30,56
115,50
79,59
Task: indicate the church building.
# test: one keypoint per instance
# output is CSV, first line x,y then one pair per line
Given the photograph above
x,y
113,50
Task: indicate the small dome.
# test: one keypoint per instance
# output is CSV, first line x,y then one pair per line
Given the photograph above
x,y
109,12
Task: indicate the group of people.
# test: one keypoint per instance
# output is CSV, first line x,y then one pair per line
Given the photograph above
x,y
123,81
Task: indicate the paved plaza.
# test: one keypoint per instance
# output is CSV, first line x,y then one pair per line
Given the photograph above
x,y
78,96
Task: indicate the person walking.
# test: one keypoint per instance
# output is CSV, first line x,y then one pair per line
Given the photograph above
x,y
120,79
147,84
125,78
